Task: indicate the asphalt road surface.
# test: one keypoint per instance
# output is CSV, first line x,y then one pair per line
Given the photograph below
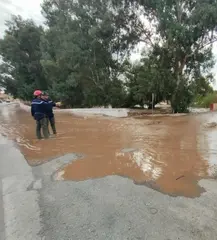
x,y
34,206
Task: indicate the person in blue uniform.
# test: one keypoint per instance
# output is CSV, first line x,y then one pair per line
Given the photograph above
x,y
39,108
50,113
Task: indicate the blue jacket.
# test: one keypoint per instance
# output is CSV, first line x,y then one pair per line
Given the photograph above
x,y
39,108
50,106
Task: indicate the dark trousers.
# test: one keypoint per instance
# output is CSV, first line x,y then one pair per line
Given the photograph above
x,y
51,120
42,124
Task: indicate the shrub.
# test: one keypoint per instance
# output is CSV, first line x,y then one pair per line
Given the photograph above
x,y
206,101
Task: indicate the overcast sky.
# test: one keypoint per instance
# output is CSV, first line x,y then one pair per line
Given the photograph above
x,y
31,9
27,9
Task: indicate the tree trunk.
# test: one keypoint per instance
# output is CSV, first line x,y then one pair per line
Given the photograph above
x,y
181,97
150,106
174,101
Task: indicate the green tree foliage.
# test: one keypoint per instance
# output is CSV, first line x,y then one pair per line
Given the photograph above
x,y
202,85
186,30
82,55
21,71
84,48
151,75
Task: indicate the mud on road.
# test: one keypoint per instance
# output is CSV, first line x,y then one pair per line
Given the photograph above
x,y
169,154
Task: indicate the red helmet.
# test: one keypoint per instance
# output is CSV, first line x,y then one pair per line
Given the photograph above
x,y
37,93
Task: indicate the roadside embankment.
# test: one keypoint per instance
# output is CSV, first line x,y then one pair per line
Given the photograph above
x,y
121,112
112,112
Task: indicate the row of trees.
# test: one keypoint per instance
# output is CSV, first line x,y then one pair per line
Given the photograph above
x,y
81,55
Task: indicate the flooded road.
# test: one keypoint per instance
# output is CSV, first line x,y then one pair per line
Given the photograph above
x,y
169,154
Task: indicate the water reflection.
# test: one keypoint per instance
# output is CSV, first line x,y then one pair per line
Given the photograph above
x,y
208,142
169,154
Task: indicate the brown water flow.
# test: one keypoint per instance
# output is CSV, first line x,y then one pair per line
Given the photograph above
x,y
162,153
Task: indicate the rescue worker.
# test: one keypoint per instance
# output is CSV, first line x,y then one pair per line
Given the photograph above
x,y
49,113
38,111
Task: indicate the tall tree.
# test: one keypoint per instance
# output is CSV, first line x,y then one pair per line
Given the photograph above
x,y
151,75
20,70
85,46
186,30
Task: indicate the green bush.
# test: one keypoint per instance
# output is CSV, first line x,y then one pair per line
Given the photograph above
x,y
205,102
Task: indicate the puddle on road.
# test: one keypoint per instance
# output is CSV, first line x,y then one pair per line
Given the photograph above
x,y
162,153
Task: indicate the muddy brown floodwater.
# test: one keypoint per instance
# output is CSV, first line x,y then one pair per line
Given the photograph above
x,y
169,154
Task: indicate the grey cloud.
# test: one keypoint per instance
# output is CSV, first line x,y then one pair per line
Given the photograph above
x,y
5,1
7,8
4,15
